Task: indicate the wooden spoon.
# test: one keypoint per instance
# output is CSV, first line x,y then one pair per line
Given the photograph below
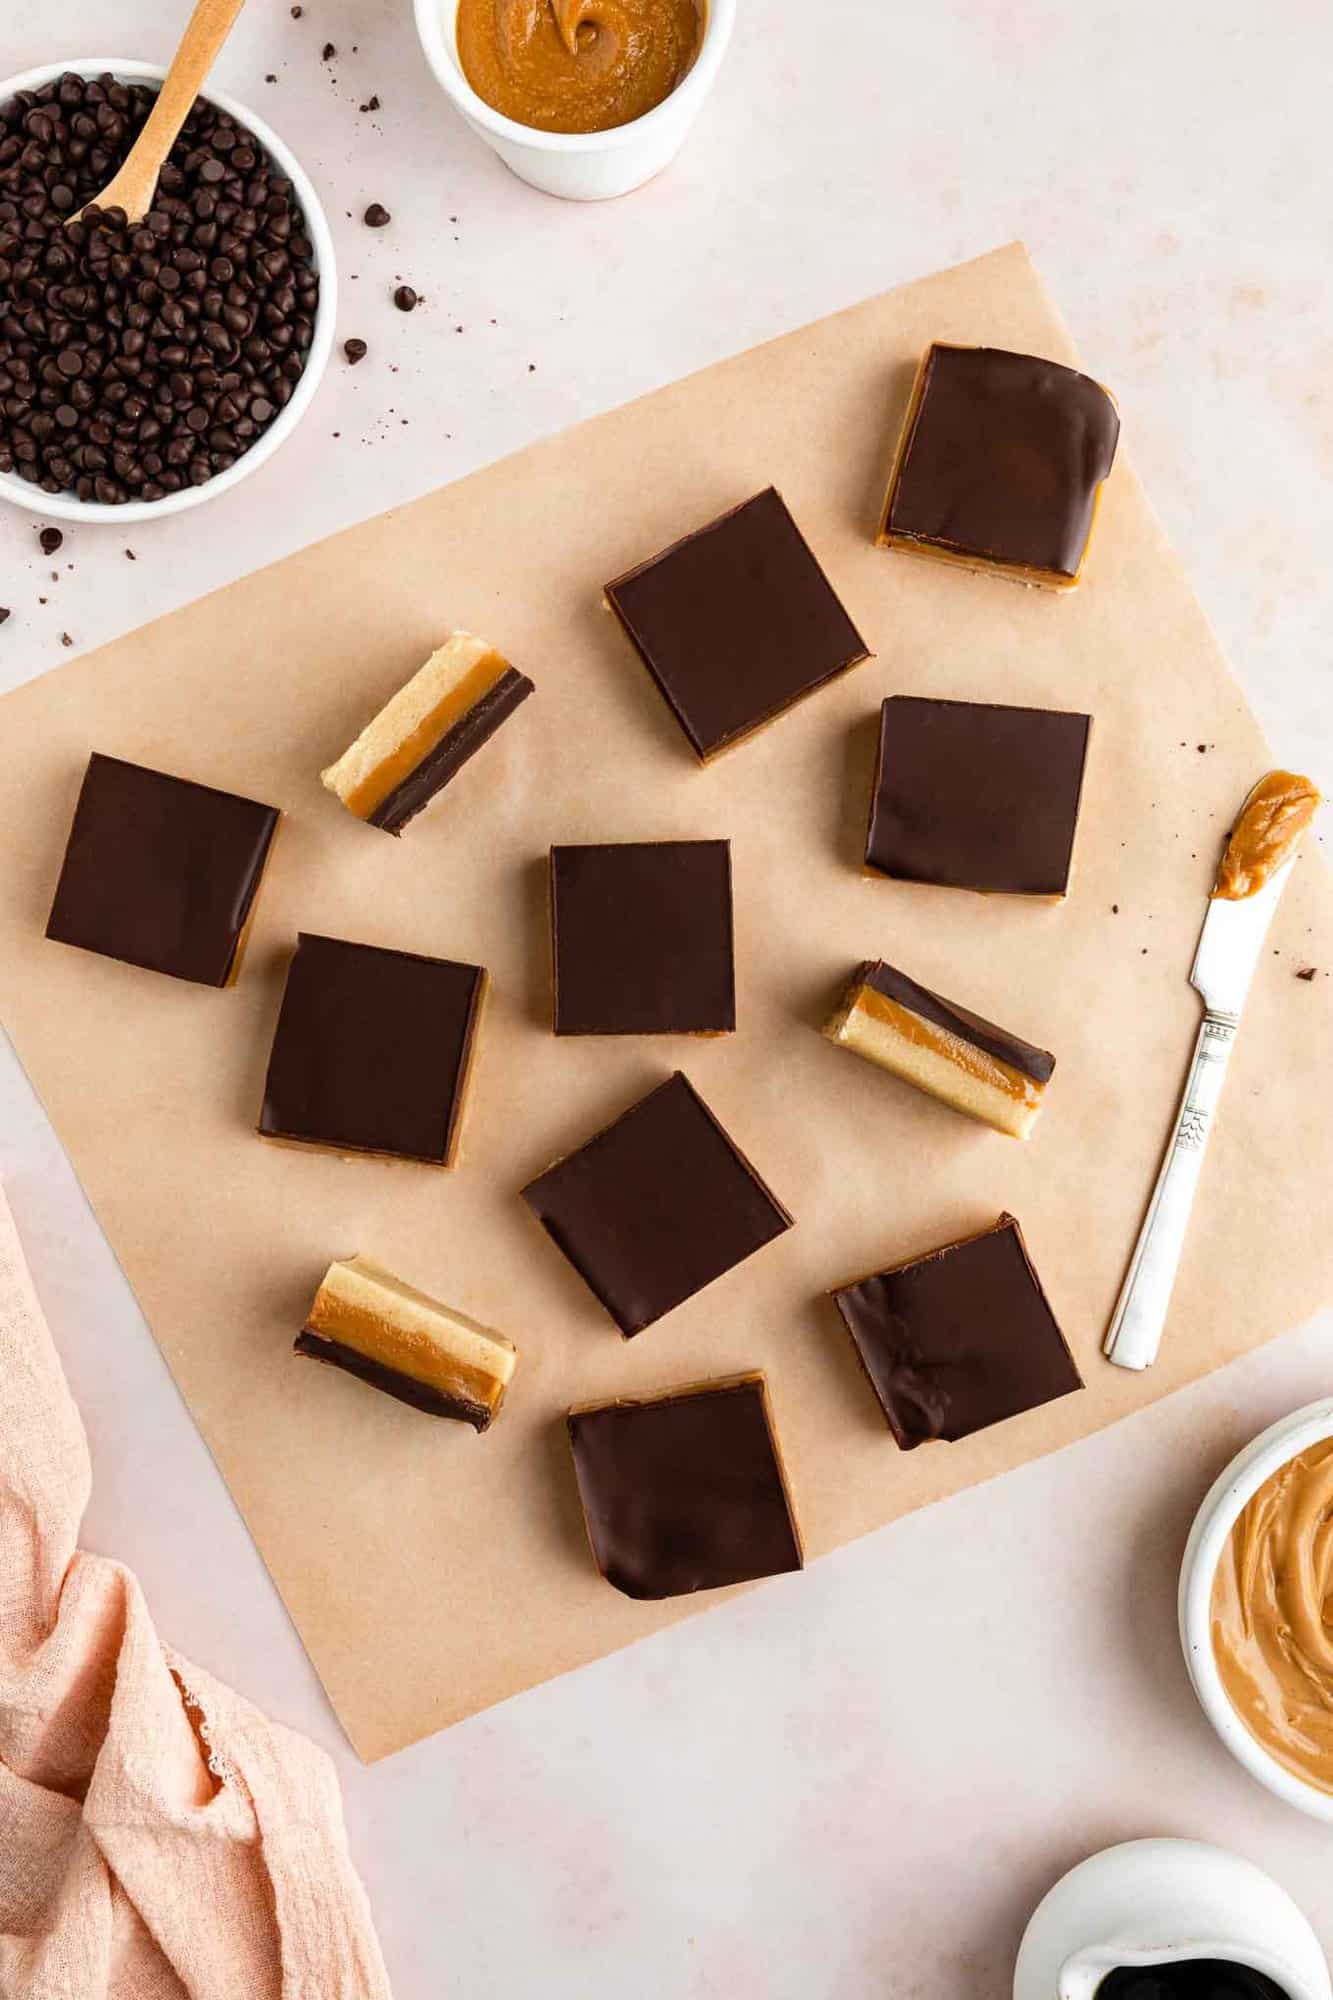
x,y
134,184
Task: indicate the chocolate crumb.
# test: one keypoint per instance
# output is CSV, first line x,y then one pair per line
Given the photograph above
x,y
371,104
376,216
4,613
328,52
1115,909
270,78
355,350
405,299
130,556
1201,748
50,540
297,13
532,368
65,639
1307,972
1143,951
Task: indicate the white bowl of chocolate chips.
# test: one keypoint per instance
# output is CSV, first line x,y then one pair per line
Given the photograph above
x,y
144,370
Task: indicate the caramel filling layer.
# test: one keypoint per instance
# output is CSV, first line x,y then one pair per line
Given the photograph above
x,y
1272,1616
390,770
367,1308
986,1068
1272,820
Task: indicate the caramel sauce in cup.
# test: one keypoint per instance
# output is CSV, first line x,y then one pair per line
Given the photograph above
x,y
577,65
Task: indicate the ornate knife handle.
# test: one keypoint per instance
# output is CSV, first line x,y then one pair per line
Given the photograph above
x,y
1140,1311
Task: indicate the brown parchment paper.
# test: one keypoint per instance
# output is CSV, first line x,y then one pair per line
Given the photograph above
x,y
431,1572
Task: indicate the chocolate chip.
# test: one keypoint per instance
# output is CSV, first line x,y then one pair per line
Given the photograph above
x,y
405,298
328,52
376,215
119,344
65,639
4,613
372,104
1307,972
49,540
355,350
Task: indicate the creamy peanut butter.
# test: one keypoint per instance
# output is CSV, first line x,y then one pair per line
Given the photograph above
x,y
1272,1619
577,65
1272,820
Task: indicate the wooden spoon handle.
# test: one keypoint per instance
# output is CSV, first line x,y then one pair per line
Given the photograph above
x,y
135,184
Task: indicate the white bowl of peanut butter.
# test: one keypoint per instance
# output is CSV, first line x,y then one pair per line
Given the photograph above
x,y
1256,1608
581,98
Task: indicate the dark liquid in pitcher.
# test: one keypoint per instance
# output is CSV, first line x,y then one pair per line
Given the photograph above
x,y
1192,1979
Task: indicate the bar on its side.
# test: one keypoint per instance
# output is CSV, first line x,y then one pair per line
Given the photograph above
x,y
385,1332
424,735
943,1049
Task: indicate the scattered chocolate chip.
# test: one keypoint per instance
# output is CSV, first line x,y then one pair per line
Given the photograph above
x,y
355,350
4,613
297,13
532,368
132,356
328,52
1307,972
1201,748
50,539
1115,909
405,299
270,78
376,216
65,639
372,104
130,556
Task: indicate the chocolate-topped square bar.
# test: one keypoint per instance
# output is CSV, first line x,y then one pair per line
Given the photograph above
x,y
736,622
959,1339
973,795
161,872
685,1491
969,1063
641,938
655,1206
372,1051
1000,464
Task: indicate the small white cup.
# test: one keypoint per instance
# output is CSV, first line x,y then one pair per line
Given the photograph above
x,y
1162,1902
1213,1523
578,166
67,506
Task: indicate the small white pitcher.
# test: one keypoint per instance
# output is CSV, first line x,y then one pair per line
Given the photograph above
x,y
1161,1902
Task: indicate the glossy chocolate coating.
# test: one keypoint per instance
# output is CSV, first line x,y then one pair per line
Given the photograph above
x,y
1191,1979
452,751
972,795
641,938
371,1050
685,1492
393,1381
736,622
159,871
959,1339
998,1042
1004,459
656,1206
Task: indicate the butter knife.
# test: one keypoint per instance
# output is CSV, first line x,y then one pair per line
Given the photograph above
x,y
1248,889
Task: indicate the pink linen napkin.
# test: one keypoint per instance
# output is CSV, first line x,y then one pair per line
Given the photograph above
x,y
159,1839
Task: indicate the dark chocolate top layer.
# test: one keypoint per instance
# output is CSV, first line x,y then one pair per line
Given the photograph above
x,y
1190,1979
159,871
960,1339
685,1492
656,1206
452,751
1004,458
1037,1063
641,938
371,1049
972,795
394,1382
736,622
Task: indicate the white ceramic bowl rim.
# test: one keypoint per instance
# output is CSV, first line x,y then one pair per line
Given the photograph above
x,y
430,16
67,506
1213,1523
